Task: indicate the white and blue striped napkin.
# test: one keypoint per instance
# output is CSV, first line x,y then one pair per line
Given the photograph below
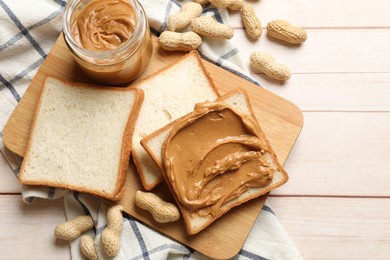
x,y
28,29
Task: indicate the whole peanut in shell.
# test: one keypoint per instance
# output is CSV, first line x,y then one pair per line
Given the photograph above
x,y
110,238
174,41
207,26
182,19
251,22
265,63
284,31
161,211
231,4
87,248
72,229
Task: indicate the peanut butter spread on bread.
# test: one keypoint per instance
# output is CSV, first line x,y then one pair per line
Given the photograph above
x,y
213,157
104,24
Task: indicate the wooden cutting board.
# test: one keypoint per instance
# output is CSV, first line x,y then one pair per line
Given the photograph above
x,y
280,119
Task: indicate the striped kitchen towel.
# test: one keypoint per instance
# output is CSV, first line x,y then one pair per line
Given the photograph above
x,y
27,32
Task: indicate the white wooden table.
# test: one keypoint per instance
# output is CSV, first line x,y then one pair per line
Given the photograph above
x,y
336,204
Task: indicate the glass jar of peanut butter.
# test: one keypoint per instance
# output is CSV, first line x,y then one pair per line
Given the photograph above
x,y
109,39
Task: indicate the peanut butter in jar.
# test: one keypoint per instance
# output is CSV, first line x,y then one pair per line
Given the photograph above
x,y
109,39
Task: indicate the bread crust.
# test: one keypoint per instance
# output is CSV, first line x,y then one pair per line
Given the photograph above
x,y
135,156
125,149
127,143
236,202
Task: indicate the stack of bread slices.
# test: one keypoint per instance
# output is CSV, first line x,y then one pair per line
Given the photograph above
x,y
82,135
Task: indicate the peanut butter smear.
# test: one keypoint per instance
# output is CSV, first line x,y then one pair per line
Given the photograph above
x,y
104,24
213,157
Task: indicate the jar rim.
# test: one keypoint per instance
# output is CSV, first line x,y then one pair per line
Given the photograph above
x,y
107,57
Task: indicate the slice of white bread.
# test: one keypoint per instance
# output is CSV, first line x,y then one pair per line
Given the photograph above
x,y
169,93
237,100
81,138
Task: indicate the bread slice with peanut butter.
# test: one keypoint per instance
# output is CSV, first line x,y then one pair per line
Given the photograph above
x,y
215,158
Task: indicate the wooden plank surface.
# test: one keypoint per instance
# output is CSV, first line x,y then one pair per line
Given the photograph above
x,y
368,92
9,182
322,13
280,119
342,77
27,231
349,155
318,226
352,139
326,51
336,228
